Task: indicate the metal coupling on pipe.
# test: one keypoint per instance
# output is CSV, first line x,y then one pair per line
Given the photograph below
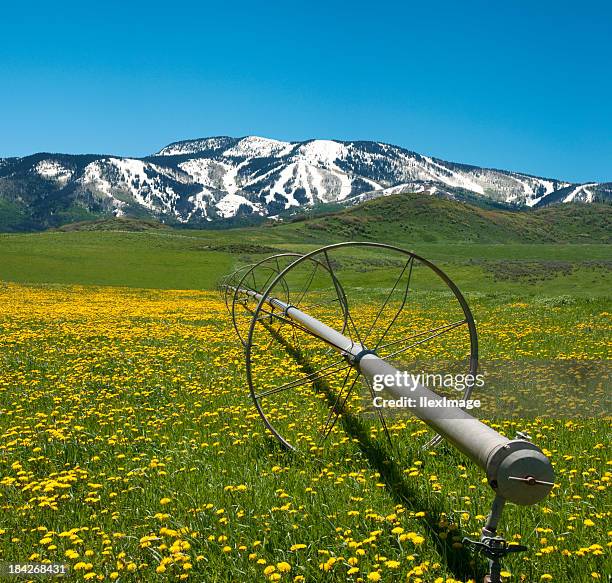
x,y
519,472
355,360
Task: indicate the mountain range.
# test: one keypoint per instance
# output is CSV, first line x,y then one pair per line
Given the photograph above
x,y
211,179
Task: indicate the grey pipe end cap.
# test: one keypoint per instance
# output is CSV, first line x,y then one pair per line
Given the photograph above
x,y
525,477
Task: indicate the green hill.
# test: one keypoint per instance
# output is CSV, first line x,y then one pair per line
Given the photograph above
x,y
416,218
115,224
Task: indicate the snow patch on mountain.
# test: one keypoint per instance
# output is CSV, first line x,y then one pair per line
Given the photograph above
x,y
231,184
201,203
581,193
147,184
52,170
205,171
409,187
257,147
322,152
93,176
452,178
279,187
228,206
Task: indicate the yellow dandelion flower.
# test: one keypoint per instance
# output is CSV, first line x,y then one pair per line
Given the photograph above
x,y
392,564
283,567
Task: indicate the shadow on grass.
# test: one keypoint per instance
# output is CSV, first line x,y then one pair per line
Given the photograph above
x,y
458,561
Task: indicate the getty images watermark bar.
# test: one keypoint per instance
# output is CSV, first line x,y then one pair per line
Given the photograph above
x,y
519,389
410,381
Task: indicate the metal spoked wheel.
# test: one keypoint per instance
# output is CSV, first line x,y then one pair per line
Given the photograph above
x,y
257,277
410,313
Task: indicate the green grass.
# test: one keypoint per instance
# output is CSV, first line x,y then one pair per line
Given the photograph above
x,y
170,259
155,260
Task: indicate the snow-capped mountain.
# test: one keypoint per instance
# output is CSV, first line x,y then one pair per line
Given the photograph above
x,y
222,177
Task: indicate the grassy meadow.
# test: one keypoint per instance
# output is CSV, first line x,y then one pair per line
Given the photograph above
x,y
130,449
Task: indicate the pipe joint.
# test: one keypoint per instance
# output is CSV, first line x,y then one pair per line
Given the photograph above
x,y
355,360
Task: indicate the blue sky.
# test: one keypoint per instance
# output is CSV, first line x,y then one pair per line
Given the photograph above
x,y
521,85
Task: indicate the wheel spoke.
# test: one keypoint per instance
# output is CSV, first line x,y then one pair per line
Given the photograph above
x,y
263,287
341,294
387,356
384,305
296,339
325,303
306,288
452,325
337,410
381,417
312,377
399,311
